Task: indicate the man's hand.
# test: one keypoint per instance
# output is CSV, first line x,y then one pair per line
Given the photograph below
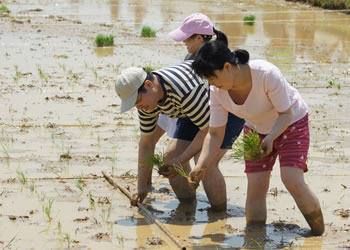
x,y
138,197
167,171
195,176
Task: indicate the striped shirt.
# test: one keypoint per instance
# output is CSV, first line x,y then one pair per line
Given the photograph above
x,y
185,95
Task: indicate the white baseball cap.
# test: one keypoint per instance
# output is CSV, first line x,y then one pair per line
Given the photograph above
x,y
127,84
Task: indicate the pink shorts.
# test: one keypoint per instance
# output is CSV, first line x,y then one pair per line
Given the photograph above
x,y
292,147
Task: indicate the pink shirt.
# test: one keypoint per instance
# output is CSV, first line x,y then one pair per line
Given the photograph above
x,y
270,94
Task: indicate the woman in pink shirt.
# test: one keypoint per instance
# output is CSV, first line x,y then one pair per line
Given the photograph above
x,y
257,91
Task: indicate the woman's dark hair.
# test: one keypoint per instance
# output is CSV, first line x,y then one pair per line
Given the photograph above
x,y
213,55
220,36
142,88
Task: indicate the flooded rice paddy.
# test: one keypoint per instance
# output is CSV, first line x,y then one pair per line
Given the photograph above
x,y
60,125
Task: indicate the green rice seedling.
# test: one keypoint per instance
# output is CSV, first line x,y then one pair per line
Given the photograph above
x,y
249,20
113,164
67,239
80,183
59,228
102,40
63,67
99,142
32,187
18,74
41,196
4,9
121,241
66,156
106,213
42,75
5,142
61,56
248,147
331,84
5,150
91,200
148,68
47,209
53,138
157,161
147,31
21,176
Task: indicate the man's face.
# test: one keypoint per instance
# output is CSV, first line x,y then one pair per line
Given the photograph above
x,y
147,100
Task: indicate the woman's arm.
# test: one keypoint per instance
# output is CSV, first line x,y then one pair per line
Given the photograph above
x,y
283,121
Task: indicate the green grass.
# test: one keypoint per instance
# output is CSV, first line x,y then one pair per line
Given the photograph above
x,y
42,74
157,161
47,209
61,56
102,40
147,31
249,20
91,200
17,75
80,183
21,176
148,68
248,147
3,8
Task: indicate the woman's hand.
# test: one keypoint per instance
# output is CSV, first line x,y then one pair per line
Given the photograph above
x,y
266,146
195,176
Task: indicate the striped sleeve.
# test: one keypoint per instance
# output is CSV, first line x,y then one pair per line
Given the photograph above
x,y
196,106
148,121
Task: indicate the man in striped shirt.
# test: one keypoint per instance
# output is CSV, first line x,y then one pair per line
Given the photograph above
x,y
178,93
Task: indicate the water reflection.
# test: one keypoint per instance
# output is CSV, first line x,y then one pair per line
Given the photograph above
x,y
104,51
279,31
114,9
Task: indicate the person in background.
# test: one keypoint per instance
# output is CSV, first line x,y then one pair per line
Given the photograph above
x,y
257,91
195,30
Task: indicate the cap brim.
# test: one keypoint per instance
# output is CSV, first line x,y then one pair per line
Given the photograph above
x,y
178,35
128,103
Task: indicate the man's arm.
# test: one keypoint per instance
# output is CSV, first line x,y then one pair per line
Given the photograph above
x,y
211,145
194,147
147,145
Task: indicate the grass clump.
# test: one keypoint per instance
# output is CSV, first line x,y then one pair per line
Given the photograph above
x,y
157,161
4,9
249,20
147,31
248,147
148,68
102,40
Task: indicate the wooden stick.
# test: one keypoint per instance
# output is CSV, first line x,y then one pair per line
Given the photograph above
x,y
147,213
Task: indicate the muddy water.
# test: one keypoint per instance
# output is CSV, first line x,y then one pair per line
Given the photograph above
x,y
59,118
